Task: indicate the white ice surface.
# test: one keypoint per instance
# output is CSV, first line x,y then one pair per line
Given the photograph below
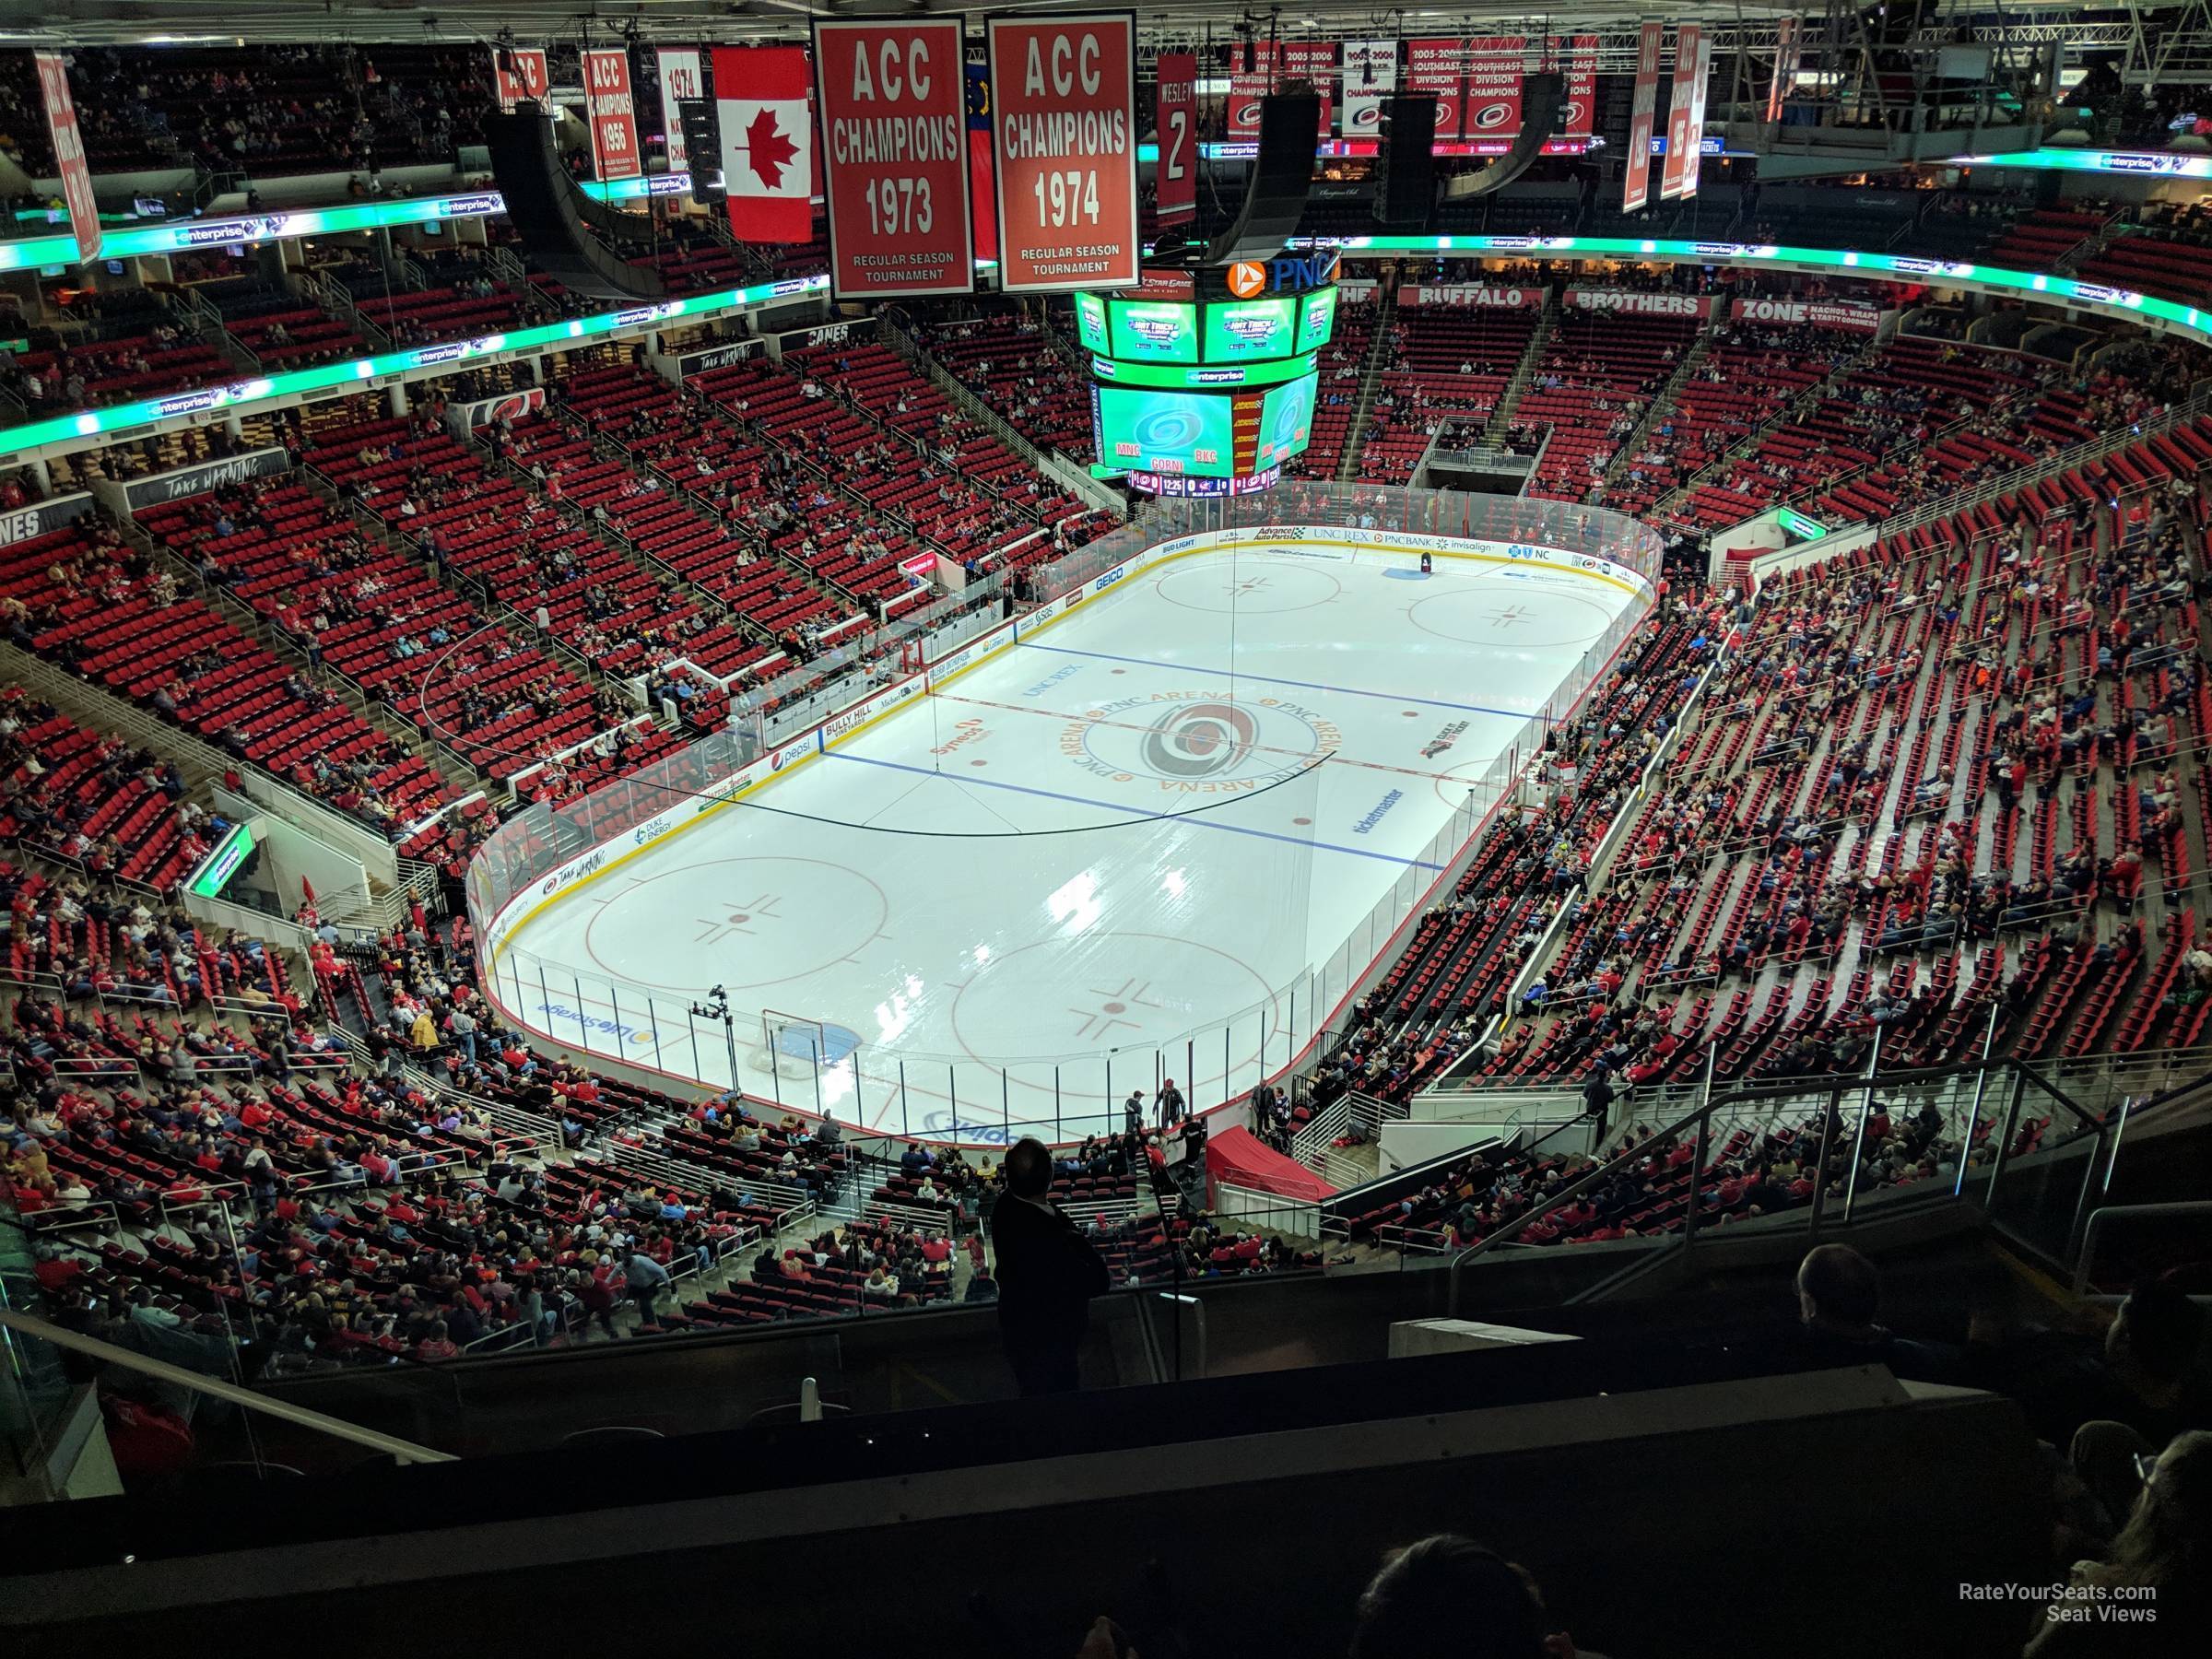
x,y
1109,854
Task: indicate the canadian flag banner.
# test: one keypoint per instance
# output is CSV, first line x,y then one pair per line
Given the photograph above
x,y
766,141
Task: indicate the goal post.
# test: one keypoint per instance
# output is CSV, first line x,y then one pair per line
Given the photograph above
x,y
798,1050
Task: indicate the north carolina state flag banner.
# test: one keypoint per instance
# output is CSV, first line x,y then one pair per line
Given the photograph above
x,y
1494,81
1439,67
1578,62
612,115
69,154
982,199
893,103
683,77
1685,114
1175,191
528,78
1371,74
1064,121
1636,168
767,142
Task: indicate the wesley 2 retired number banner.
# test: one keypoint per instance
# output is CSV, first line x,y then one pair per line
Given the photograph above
x,y
893,103
1063,124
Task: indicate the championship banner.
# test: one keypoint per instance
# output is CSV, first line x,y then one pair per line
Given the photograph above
x,y
1247,87
69,154
1064,122
1785,65
1678,172
1176,181
1371,74
683,77
983,209
1578,62
767,142
1849,315
893,101
1636,161
1314,62
1632,303
1495,73
527,78
1700,80
1478,296
613,115
1439,67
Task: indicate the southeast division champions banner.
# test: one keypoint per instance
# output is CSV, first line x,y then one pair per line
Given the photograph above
x,y
1578,62
612,112
1064,122
1439,67
1636,164
1371,74
893,103
69,154
1494,84
767,149
1175,182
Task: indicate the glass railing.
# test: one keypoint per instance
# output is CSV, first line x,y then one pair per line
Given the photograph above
x,y
1823,1156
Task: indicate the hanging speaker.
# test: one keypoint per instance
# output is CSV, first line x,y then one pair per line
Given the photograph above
x,y
1281,175
1542,97
556,220
699,120
1405,163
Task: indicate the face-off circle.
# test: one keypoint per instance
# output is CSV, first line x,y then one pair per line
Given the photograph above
x,y
1107,990
1248,587
1509,616
745,922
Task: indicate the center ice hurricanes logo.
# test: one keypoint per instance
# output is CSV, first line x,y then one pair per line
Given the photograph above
x,y
1198,740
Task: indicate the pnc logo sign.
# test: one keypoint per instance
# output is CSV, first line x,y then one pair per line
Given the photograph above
x,y
1247,278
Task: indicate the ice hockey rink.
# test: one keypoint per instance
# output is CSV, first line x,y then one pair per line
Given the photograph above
x,y
1159,838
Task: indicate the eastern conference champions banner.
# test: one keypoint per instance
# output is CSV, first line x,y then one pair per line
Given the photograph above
x,y
1064,122
893,100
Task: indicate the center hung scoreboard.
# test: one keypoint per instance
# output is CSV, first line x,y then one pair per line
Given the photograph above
x,y
1203,382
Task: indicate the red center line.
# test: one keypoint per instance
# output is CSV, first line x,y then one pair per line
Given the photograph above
x,y
1122,726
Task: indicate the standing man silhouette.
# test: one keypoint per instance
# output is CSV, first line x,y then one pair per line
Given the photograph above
x,y
1047,1275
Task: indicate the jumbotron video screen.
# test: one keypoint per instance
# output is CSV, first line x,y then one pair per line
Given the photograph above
x,y
1203,382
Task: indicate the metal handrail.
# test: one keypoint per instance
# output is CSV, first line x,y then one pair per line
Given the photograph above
x,y
405,1452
